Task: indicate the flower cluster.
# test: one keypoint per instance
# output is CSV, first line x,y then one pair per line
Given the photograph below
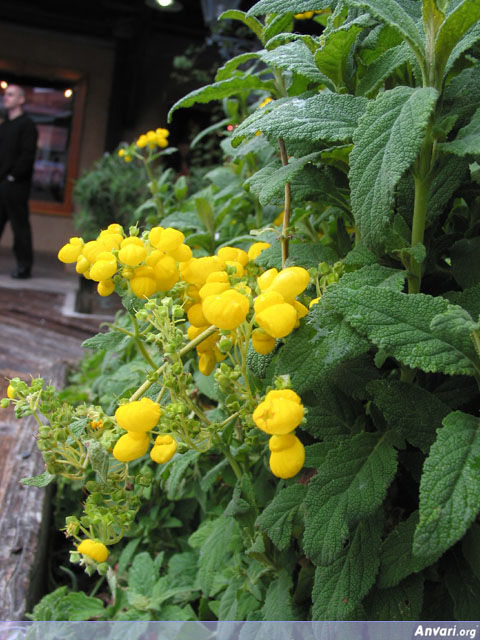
x,y
149,263
149,141
279,415
137,418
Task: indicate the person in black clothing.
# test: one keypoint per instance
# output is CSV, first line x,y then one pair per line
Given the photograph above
x,y
18,142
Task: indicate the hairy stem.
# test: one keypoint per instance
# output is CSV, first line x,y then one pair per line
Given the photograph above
x,y
287,205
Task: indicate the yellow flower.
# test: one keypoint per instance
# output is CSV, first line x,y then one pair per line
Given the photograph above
x,y
10,392
287,455
279,219
278,320
314,302
166,272
105,288
267,299
91,250
132,252
70,251
226,310
166,239
130,446
93,549
96,424
110,239
142,141
104,267
206,345
195,316
300,308
290,282
262,342
266,279
138,416
304,16
143,282
163,449
182,253
217,276
281,412
197,270
82,264
265,102
206,362
232,254
213,289
256,249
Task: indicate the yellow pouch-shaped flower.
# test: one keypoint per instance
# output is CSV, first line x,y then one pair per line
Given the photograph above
x,y
91,250
82,265
206,345
138,416
267,299
206,362
262,342
232,254
278,414
70,251
182,253
197,270
143,282
164,449
166,273
105,288
287,455
104,266
167,240
226,310
195,316
218,276
93,549
278,320
132,253
290,282
256,249
213,288
266,279
130,447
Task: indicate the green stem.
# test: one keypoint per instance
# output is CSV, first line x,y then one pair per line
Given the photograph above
x,y
422,187
140,345
188,347
287,206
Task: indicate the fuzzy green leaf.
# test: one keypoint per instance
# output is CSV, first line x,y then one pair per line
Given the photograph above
x,y
341,586
220,90
416,412
392,13
227,70
252,23
396,559
401,325
277,518
469,39
305,254
471,548
467,141
402,602
468,299
335,415
350,487
142,575
333,57
386,143
177,469
278,601
455,26
446,181
450,485
382,68
327,117
287,6
295,57
43,480
222,539
462,95
108,341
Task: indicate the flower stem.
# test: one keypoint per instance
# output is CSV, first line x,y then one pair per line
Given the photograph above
x,y
287,205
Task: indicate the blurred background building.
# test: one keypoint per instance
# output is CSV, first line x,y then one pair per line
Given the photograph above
x,y
99,72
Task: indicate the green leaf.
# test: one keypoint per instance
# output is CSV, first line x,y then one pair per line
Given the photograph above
x,y
447,179
220,90
224,536
270,181
350,487
328,117
295,57
382,68
400,324
465,255
278,601
462,95
468,299
287,6
226,71
99,459
392,13
463,587
467,141
332,59
108,341
386,143
416,412
274,25
396,559
276,520
402,602
341,586
79,606
469,39
42,480
254,24
177,469
306,254
450,485
127,554
335,415
142,575
455,26
228,609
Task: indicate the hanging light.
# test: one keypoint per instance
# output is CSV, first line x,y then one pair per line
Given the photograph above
x,y
3,84
165,5
68,93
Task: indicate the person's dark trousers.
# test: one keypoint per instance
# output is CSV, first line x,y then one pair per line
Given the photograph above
x,y
14,209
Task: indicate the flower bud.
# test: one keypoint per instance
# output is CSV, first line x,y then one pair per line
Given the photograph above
x,y
163,449
280,413
138,416
130,447
93,549
287,455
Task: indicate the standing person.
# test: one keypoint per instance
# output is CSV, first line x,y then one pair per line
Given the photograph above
x,y
18,143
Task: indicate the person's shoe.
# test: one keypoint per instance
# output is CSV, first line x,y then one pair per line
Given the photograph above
x,y
21,274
